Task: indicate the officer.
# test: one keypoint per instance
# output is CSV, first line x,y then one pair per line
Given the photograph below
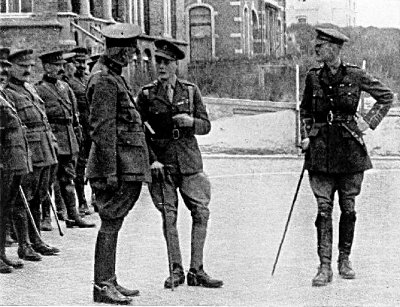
x,y
78,83
175,113
118,160
62,113
332,136
42,144
15,162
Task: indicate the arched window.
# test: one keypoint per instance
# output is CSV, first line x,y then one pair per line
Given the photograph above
x,y
15,6
256,28
167,18
246,31
200,33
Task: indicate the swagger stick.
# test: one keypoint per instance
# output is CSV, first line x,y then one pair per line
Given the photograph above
x,y
288,220
55,214
28,210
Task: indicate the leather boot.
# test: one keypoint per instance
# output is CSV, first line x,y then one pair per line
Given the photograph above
x,y
74,219
346,235
123,290
26,252
45,224
9,234
3,258
178,276
201,278
345,269
324,237
323,277
105,292
5,268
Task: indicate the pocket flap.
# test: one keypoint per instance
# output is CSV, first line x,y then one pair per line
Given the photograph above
x,y
131,138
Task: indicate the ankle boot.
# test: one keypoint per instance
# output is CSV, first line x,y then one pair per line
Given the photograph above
x,y
178,277
323,277
124,291
16,264
200,278
345,269
5,268
26,252
105,292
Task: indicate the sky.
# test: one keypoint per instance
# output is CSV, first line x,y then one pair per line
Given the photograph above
x,y
378,13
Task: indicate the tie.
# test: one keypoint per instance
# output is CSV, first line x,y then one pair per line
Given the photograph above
x,y
170,92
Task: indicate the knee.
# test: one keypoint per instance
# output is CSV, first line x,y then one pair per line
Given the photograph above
x,y
111,226
348,216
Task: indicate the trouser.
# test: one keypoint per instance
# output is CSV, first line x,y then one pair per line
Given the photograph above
x,y
10,183
196,192
34,185
84,150
324,187
113,206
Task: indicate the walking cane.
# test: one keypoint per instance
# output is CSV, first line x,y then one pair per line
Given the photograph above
x,y
164,213
288,220
28,210
55,214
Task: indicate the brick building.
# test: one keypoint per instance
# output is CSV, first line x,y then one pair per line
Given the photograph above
x,y
45,25
338,12
223,29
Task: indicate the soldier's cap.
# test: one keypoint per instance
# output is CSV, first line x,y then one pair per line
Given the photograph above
x,y
121,35
93,59
4,53
81,53
22,57
168,50
68,56
53,57
331,35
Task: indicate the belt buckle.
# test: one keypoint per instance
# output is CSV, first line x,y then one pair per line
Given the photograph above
x,y
176,134
329,118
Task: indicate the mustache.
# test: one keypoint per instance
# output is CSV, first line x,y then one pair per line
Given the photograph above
x,y
61,72
26,73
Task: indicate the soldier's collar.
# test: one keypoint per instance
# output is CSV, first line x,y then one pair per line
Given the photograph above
x,y
16,81
49,79
113,65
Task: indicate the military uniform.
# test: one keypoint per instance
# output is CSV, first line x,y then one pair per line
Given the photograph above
x,y
176,148
15,163
118,161
78,84
337,155
41,141
61,110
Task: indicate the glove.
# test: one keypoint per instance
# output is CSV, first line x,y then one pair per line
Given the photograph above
x,y
157,170
112,182
78,134
305,143
183,120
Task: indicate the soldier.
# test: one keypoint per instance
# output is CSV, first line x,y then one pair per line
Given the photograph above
x,y
78,83
332,136
15,162
118,160
41,143
62,113
175,114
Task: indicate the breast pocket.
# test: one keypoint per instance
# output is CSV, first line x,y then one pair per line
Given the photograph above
x,y
132,153
35,145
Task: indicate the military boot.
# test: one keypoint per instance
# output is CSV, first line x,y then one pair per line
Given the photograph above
x,y
178,277
5,268
10,234
106,292
123,290
346,235
26,252
200,278
45,224
5,261
323,277
345,269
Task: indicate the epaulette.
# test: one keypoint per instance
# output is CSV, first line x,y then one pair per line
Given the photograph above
x,y
150,85
187,82
351,65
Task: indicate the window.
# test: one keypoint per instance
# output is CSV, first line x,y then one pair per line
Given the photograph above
x,y
167,18
15,6
200,33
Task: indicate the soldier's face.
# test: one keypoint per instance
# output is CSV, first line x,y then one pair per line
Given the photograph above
x,y
324,51
4,70
70,69
165,68
54,70
80,65
21,72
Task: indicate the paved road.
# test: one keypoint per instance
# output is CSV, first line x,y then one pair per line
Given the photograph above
x,y
250,203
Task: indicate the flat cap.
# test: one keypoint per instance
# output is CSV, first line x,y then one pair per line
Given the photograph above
x,y
53,57
331,35
81,53
4,53
22,57
121,35
168,50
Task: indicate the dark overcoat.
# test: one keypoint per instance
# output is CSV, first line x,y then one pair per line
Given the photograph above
x,y
177,150
31,111
14,148
61,110
327,113
118,141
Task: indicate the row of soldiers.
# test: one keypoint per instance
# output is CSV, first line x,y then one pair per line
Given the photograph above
x,y
44,137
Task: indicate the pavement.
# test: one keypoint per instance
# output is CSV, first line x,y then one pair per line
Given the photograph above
x,y
251,198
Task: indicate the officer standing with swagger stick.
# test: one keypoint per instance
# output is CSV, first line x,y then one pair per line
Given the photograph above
x,y
175,113
118,159
15,162
332,135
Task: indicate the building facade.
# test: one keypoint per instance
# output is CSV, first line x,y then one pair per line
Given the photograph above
x,y
223,29
338,12
45,25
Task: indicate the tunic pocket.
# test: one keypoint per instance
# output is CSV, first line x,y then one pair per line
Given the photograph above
x,y
132,153
35,145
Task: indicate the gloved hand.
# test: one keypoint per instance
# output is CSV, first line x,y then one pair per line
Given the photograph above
x,y
157,170
305,143
361,123
112,182
183,120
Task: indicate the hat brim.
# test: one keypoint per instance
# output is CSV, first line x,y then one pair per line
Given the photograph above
x,y
5,62
164,56
81,57
29,62
57,62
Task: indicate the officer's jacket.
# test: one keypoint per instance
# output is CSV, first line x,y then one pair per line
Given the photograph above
x,y
31,111
14,148
118,141
328,111
78,86
176,148
62,113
